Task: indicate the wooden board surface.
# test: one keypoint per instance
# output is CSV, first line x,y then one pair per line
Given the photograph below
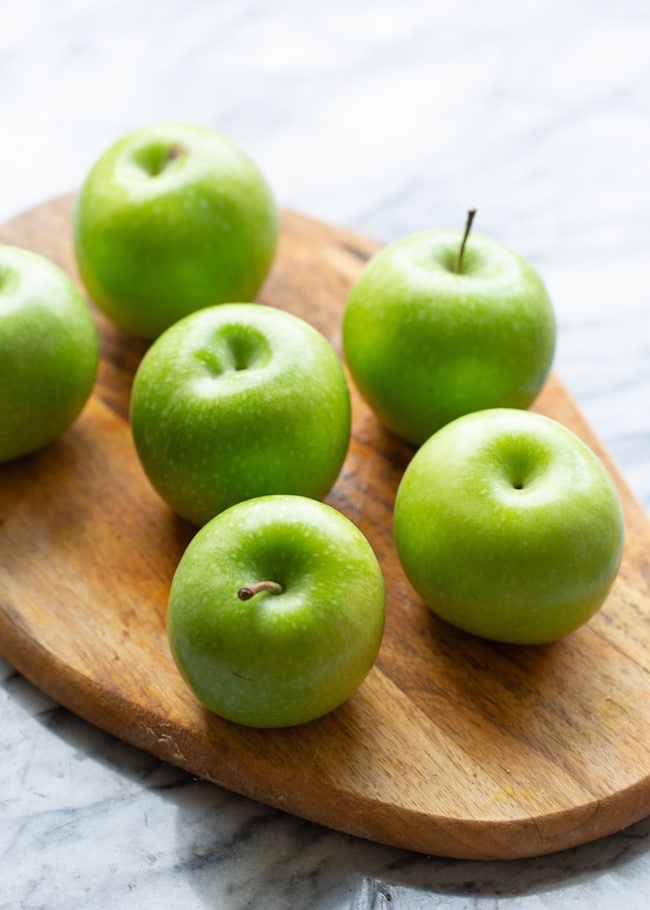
x,y
452,746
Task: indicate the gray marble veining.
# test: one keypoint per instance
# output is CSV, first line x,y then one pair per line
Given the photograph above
x,y
387,118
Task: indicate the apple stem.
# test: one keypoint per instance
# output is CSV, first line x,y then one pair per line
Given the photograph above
x,y
175,151
461,251
248,591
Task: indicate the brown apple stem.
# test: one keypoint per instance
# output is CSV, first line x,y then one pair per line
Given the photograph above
x,y
248,591
461,251
175,151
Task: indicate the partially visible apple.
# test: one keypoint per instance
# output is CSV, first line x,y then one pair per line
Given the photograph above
x,y
48,352
276,611
170,219
236,401
431,333
508,526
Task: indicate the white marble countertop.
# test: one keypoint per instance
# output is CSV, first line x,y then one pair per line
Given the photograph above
x,y
384,117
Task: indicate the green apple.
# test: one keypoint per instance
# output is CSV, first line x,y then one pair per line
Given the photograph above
x,y
48,352
276,611
509,527
236,401
431,333
170,219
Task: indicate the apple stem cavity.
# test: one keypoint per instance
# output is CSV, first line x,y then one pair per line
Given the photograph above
x,y
248,591
461,252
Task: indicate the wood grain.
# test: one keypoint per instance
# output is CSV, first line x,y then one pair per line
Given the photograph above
x,y
452,746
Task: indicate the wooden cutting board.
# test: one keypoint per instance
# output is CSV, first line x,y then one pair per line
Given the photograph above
x,y
452,746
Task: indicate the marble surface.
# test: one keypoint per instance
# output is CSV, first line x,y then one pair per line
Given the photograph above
x,y
387,118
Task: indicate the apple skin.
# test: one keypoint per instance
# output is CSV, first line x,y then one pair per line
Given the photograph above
x,y
425,345
49,352
509,527
237,401
170,219
277,659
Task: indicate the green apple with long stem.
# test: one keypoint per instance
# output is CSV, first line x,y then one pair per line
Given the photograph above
x,y
237,401
509,526
48,352
276,611
170,219
440,324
